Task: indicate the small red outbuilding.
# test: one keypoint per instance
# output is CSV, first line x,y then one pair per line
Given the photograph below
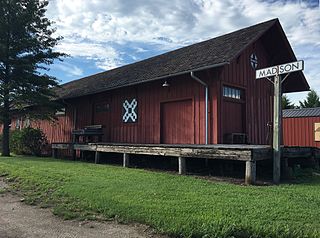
x,y
301,127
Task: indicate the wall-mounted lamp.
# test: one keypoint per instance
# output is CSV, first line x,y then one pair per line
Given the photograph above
x,y
165,84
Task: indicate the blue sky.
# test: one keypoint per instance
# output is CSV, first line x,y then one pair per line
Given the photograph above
x,y
103,34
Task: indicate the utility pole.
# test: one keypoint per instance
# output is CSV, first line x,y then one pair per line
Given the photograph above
x,y
277,120
276,72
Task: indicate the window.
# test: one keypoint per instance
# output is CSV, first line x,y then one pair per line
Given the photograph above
x,y
61,112
231,92
18,123
102,107
26,122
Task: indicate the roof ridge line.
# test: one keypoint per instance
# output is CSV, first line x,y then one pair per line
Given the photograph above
x,y
257,37
184,47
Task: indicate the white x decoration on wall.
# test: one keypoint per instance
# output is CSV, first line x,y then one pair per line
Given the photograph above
x,y
130,108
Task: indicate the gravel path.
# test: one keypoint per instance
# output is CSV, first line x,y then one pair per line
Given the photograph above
x,y
18,220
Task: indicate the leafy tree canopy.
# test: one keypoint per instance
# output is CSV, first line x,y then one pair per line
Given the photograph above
x,y
312,100
27,45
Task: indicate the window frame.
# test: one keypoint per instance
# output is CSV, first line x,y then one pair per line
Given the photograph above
x,y
233,93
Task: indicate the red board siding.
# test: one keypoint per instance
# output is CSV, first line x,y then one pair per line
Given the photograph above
x,y
147,128
258,100
233,117
177,122
300,131
56,131
59,130
83,107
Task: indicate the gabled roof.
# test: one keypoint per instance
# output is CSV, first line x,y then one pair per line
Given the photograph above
x,y
303,112
211,53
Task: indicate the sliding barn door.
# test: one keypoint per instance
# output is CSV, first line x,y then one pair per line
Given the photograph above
x,y
177,123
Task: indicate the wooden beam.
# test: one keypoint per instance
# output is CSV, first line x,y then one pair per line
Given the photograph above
x,y
182,165
223,152
74,154
209,153
250,174
297,152
206,163
55,153
285,167
86,147
97,156
317,163
61,146
126,160
261,154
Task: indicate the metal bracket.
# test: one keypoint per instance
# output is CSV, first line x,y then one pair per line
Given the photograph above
x,y
270,80
285,78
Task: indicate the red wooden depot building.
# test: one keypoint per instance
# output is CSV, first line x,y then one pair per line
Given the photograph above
x,y
158,101
202,93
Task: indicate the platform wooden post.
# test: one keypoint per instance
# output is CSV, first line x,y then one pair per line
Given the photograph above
x,y
55,153
285,167
74,154
317,163
182,165
126,159
97,157
206,163
250,177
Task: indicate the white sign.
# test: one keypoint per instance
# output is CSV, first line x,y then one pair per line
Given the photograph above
x,y
280,69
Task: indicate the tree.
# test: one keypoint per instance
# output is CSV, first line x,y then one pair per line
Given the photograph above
x,y
26,51
286,103
312,100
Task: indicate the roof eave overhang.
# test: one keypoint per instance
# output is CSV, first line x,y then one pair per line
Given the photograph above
x,y
253,40
149,80
304,84
302,81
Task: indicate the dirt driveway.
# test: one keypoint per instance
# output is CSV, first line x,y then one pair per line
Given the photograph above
x,y
19,220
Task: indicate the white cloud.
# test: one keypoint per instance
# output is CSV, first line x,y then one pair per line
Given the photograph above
x,y
101,29
105,56
139,50
69,69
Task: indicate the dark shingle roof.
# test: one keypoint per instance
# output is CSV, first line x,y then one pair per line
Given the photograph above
x,y
303,112
216,51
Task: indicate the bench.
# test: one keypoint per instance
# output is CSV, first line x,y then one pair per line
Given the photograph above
x,y
88,132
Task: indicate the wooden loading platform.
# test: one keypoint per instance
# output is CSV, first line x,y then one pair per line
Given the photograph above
x,y
249,154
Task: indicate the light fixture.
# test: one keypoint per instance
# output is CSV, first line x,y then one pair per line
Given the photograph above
x,y
165,84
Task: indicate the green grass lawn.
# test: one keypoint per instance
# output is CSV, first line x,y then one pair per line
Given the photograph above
x,y
176,205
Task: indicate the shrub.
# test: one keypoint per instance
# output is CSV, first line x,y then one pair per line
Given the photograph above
x,y
28,141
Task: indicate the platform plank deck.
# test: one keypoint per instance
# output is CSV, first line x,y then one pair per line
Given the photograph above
x,y
218,151
249,154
